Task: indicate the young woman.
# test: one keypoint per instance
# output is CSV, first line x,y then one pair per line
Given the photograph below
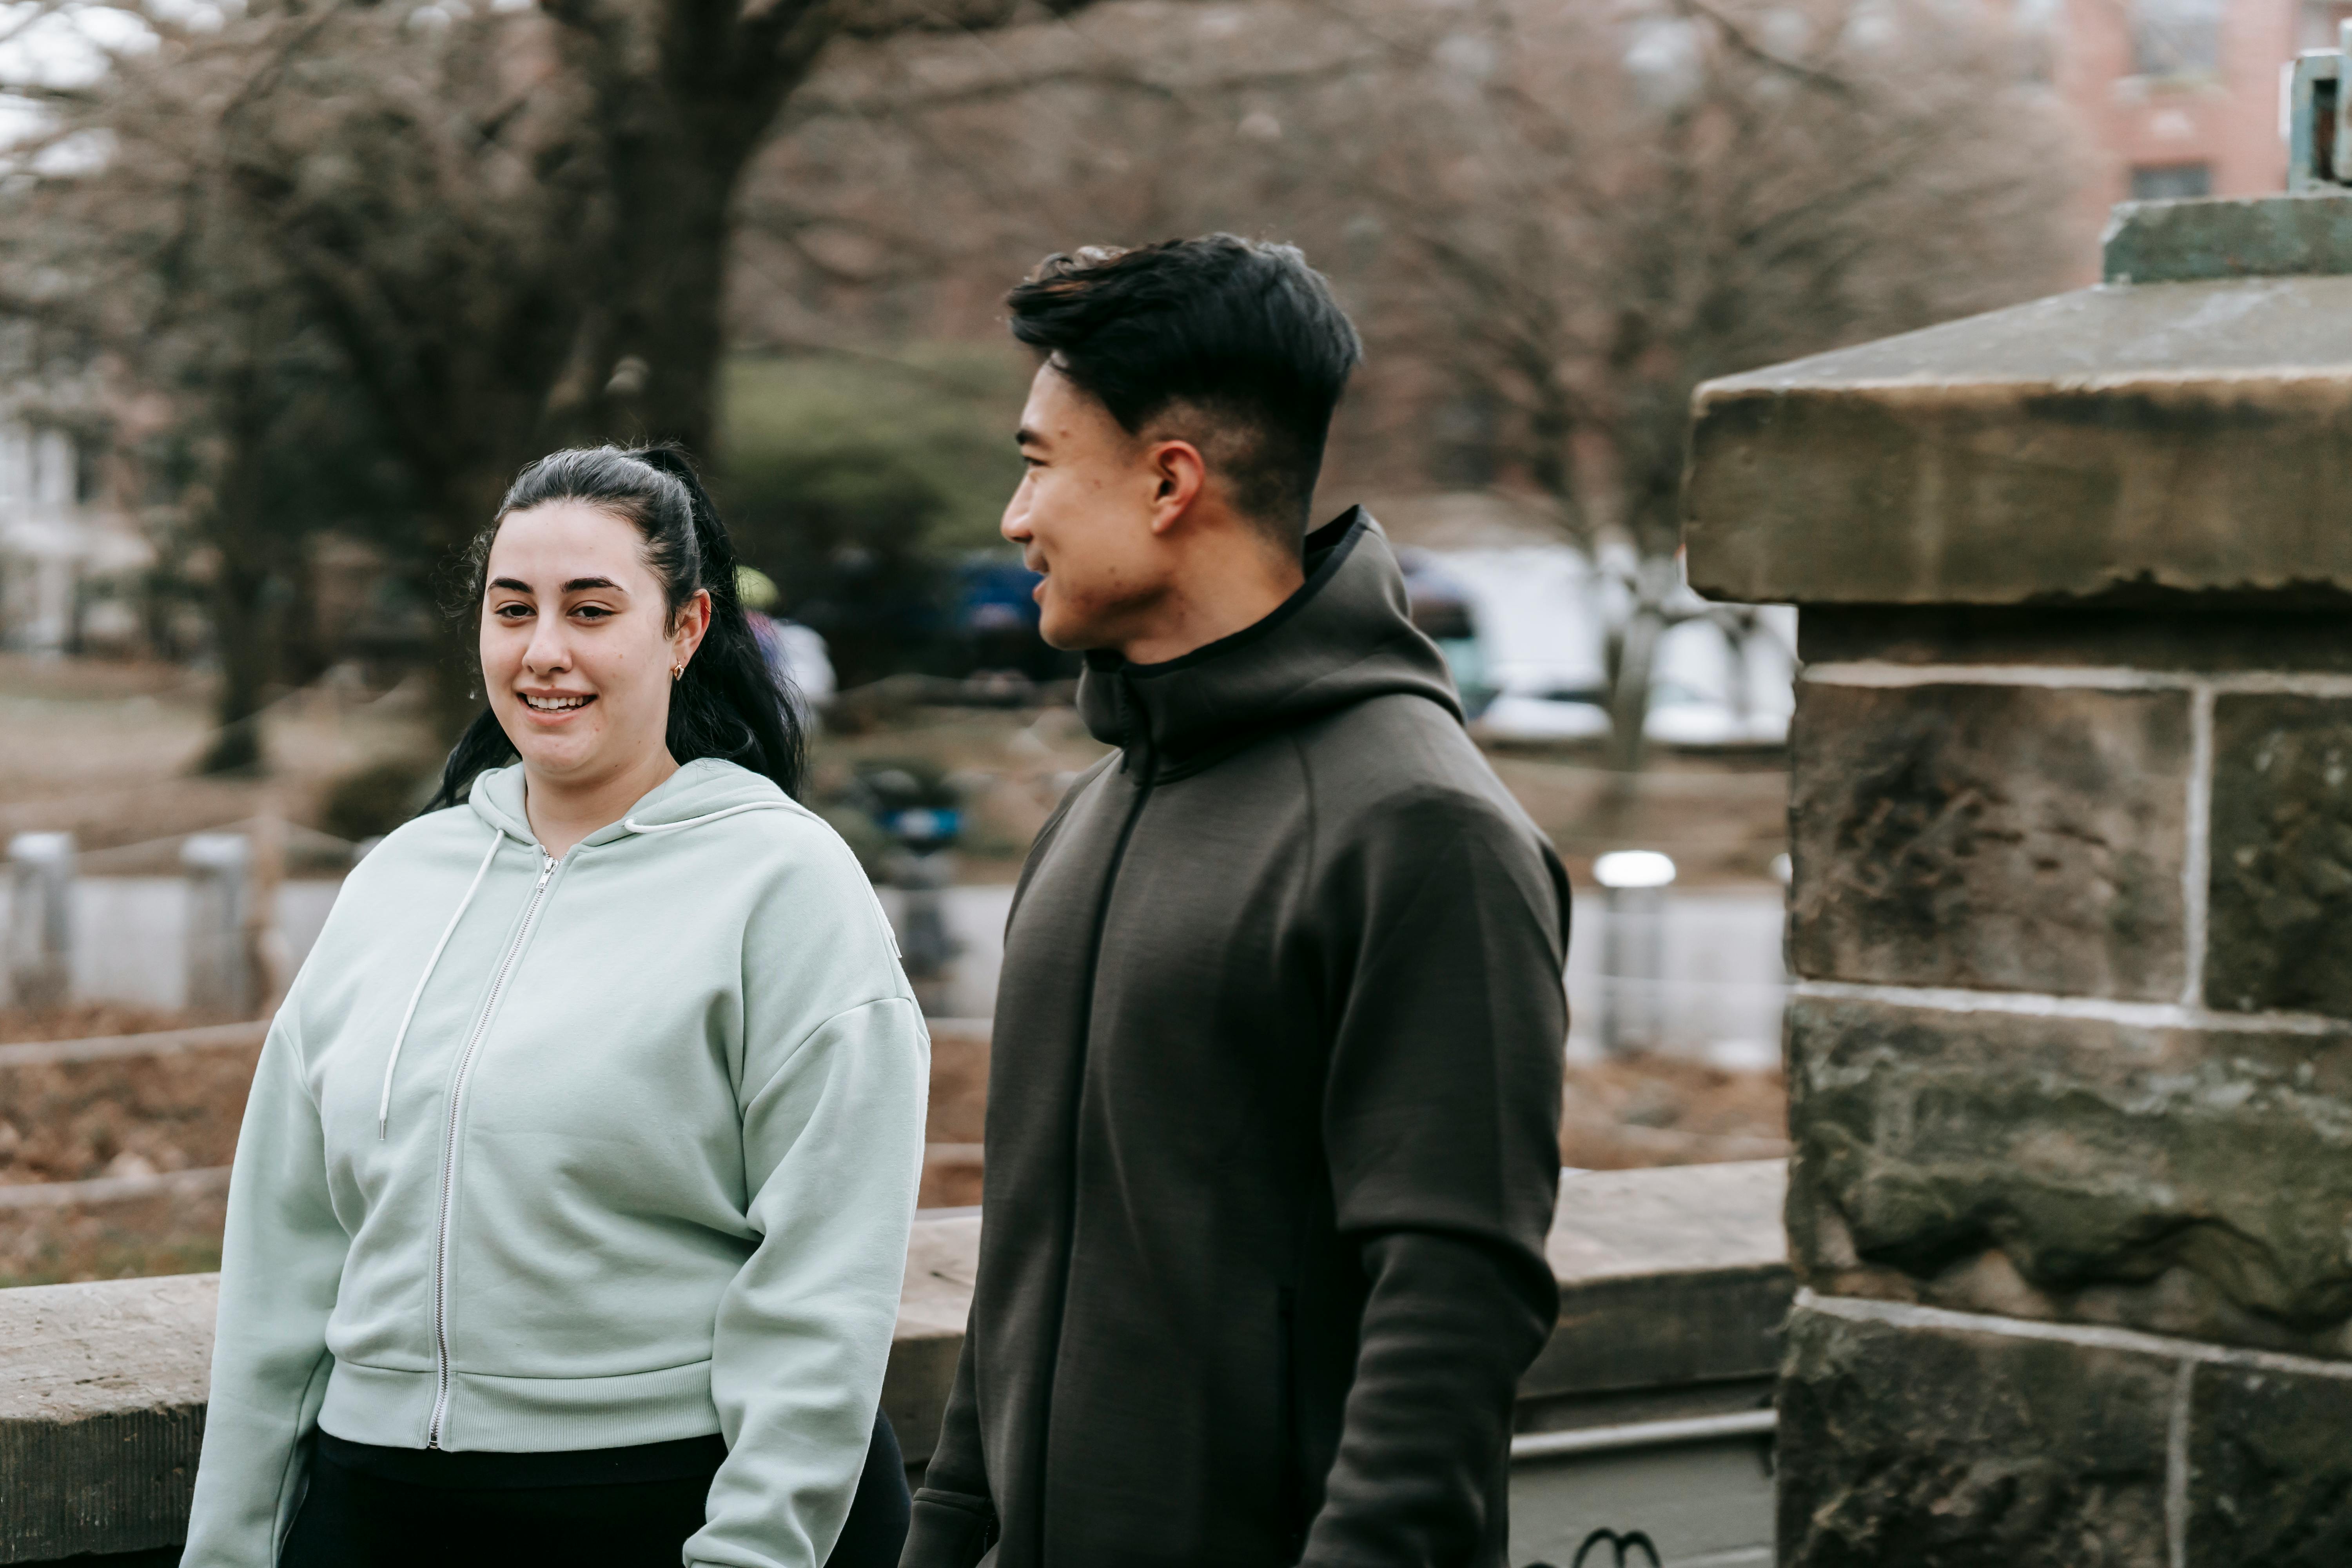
x,y
571,1206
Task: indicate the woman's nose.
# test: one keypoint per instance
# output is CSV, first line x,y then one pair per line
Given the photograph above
x,y
548,651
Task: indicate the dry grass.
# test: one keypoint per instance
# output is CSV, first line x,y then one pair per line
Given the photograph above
x,y
158,1233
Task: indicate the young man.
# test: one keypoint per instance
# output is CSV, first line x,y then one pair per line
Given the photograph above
x,y
1272,1118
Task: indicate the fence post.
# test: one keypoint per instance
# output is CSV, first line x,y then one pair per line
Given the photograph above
x,y
40,918
220,971
1634,949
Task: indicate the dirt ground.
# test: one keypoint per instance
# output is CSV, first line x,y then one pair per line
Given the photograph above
x,y
144,1116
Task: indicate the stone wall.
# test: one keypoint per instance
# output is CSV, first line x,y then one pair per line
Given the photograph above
x,y
2071,1093
2070,1046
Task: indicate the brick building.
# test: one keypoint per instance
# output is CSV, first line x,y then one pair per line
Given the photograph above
x,y
2175,98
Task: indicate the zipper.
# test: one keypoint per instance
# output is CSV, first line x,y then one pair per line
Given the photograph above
x,y
1147,776
548,864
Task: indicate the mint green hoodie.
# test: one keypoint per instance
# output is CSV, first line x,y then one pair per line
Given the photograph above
x,y
543,1155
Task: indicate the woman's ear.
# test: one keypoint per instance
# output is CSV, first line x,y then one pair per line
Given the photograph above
x,y
693,625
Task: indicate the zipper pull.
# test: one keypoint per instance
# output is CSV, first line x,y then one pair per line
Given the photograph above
x,y
546,868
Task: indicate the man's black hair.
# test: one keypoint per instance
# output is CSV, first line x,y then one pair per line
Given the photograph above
x,y
1243,337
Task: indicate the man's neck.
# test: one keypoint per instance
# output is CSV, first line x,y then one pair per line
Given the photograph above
x,y
1210,605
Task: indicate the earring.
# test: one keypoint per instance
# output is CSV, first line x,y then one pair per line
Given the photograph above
x,y
676,670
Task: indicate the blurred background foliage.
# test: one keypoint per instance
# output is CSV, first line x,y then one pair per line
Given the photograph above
x,y
858,482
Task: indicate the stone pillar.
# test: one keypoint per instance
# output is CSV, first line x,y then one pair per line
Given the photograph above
x,y
2070,1047
220,972
40,919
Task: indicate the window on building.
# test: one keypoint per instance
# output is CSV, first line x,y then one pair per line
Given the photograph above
x,y
2177,38
2172,182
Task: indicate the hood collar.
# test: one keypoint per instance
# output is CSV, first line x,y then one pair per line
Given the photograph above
x,y
1345,636
700,788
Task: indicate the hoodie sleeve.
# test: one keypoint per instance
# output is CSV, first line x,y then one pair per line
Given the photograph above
x,y
281,1262
954,1520
1440,1125
833,1147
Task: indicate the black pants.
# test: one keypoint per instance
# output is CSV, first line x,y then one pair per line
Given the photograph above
x,y
606,1508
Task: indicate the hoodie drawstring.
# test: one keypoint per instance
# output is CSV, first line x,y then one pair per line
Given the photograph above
x,y
383,1104
635,827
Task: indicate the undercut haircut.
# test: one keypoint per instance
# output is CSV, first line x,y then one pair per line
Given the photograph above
x,y
1235,346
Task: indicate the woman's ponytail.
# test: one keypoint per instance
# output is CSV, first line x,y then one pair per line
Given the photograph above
x,y
728,703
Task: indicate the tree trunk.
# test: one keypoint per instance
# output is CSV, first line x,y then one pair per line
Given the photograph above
x,y
241,630
1629,696
242,620
461,504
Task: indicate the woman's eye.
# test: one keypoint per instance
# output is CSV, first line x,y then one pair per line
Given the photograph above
x,y
593,613
513,612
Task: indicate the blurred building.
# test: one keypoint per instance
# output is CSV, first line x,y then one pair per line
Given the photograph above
x,y
59,550
2176,97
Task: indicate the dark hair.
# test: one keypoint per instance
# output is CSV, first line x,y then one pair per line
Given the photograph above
x,y
728,703
1246,333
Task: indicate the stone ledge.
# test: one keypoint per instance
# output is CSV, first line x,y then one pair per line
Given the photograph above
x,y
1670,1280
2176,442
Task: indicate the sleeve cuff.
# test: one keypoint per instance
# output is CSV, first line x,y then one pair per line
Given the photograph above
x,y
949,1531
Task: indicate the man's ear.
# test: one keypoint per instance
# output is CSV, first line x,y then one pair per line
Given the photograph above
x,y
1179,475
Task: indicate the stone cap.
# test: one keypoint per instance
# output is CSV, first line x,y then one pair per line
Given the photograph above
x,y
2171,444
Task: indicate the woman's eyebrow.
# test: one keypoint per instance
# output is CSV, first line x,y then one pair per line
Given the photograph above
x,y
576,585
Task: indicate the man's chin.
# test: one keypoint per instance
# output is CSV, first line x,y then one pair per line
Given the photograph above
x,y
1070,634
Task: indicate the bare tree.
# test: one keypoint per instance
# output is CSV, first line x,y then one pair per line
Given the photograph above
x,y
1569,215
139,265
1591,211
513,225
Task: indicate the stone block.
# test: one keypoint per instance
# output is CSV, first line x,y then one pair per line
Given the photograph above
x,y
2279,921
1943,1447
2174,1180
2228,236
2000,837
2270,1473
2109,445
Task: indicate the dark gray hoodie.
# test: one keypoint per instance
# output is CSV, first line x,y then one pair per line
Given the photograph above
x,y
1272,1121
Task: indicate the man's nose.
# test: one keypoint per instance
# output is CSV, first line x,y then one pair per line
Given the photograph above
x,y
1015,524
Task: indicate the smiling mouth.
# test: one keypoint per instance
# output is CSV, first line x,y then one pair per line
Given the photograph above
x,y
553,704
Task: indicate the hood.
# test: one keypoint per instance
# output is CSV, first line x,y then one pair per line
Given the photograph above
x,y
1345,637
699,790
